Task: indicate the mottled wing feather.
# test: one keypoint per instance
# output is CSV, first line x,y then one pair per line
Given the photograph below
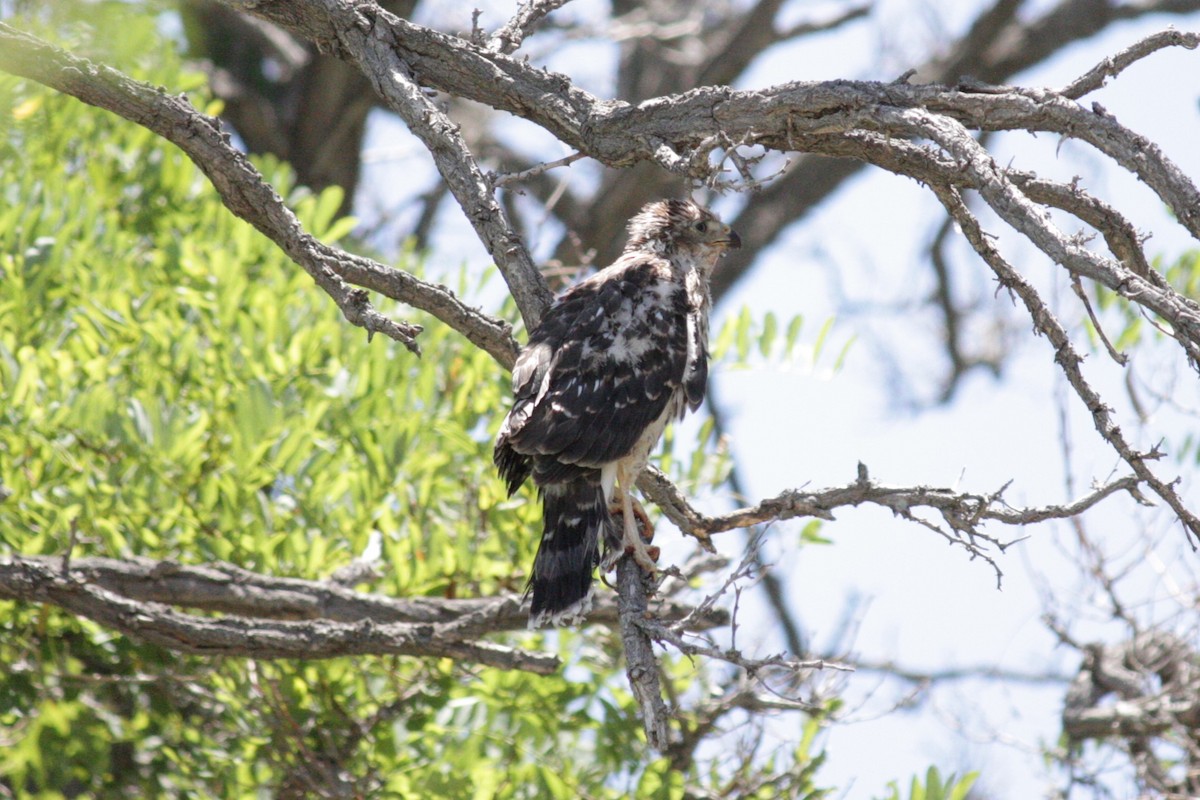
x,y
695,382
611,352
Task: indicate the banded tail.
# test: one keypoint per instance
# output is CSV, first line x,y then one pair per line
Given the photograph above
x,y
576,519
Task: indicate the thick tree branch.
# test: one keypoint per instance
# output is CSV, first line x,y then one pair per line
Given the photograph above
x,y
620,134
248,196
229,589
998,45
44,582
1016,208
1130,275
681,132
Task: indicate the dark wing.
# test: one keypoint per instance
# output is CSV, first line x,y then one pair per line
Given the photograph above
x,y
695,379
600,368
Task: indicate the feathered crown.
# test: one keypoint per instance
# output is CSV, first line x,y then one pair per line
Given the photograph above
x,y
657,220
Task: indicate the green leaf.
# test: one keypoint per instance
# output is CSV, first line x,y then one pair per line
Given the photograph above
x,y
840,361
822,335
962,787
744,323
793,334
769,332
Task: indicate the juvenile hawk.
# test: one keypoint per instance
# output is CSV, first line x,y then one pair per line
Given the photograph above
x,y
614,359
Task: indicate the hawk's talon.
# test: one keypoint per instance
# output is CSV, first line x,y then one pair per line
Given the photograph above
x,y
637,533
645,526
646,556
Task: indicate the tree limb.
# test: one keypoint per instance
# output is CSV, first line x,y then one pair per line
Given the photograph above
x,y
1130,275
1113,66
372,47
641,665
962,513
999,45
44,582
230,589
680,132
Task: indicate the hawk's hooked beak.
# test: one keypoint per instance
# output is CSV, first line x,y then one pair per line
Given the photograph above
x,y
731,240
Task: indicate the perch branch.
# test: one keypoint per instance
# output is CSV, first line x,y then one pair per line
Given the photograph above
x,y
641,665
229,589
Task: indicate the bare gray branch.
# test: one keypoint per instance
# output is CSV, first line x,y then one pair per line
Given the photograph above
x,y
230,589
962,513
44,582
1070,362
1113,66
529,14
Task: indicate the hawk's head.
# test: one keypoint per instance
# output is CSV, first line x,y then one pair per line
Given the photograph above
x,y
681,228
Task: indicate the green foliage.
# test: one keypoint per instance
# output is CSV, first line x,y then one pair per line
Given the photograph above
x,y
1184,277
744,341
175,388
934,787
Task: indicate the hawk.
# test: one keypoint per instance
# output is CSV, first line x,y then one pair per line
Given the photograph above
x,y
615,358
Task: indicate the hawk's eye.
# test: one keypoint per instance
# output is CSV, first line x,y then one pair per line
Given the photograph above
x,y
702,226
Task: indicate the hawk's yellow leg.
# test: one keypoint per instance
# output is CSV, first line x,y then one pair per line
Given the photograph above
x,y
634,542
